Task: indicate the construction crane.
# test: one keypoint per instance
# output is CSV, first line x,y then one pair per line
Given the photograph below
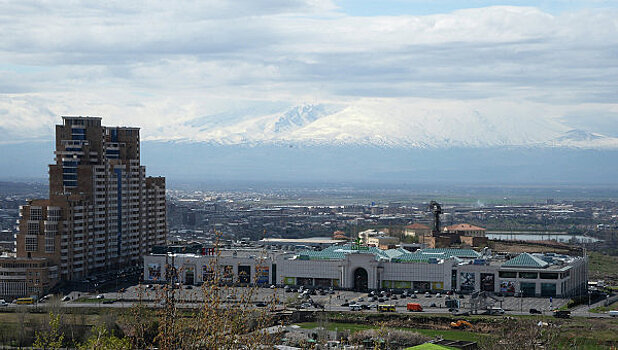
x,y
436,210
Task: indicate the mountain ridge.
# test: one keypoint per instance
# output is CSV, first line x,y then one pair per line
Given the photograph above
x,y
384,125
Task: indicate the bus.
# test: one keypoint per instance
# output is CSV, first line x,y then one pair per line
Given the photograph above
x,y
386,308
23,301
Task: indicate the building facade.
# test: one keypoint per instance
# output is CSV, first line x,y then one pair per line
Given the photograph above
x,y
102,213
366,268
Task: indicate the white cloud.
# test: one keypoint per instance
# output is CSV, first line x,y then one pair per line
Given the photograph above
x,y
145,63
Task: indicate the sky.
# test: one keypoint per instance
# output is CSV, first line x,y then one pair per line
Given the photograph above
x,y
154,63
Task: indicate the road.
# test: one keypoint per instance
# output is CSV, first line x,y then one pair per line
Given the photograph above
x,y
190,298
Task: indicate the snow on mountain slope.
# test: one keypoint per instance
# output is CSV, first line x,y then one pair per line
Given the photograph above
x,y
454,124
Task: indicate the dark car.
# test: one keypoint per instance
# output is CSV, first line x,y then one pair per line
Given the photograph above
x,y
260,304
535,311
461,313
562,314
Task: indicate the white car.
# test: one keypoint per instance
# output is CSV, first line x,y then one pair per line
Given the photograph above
x,y
355,307
3,303
100,296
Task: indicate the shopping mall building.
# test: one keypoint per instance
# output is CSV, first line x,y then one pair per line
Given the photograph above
x,y
365,268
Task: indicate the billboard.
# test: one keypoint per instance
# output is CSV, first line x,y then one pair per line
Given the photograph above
x,y
154,271
467,281
208,273
487,282
507,287
261,274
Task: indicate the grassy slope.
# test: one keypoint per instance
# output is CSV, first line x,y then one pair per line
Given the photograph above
x,y
601,266
446,334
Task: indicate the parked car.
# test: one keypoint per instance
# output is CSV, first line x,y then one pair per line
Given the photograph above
x,y
3,303
100,296
495,311
355,307
562,313
535,311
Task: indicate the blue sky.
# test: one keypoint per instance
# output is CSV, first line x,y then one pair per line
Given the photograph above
x,y
418,7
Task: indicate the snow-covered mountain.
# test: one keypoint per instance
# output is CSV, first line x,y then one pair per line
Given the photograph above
x,y
393,125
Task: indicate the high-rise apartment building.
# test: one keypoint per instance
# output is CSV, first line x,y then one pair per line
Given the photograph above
x,y
102,214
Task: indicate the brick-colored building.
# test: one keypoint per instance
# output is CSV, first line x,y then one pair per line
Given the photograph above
x,y
465,230
417,230
102,213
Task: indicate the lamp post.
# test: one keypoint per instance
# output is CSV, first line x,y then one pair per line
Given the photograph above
x,y
521,300
589,302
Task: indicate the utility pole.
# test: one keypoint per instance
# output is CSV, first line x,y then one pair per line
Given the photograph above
x,y
521,300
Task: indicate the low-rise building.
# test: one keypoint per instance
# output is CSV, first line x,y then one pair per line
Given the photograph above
x,y
417,230
21,277
359,267
383,242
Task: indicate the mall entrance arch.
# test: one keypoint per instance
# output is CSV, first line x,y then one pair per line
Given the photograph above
x,y
361,280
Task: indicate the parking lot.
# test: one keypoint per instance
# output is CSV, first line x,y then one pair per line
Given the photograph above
x,y
335,300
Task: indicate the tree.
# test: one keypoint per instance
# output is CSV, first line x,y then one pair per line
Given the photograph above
x,y
101,340
51,338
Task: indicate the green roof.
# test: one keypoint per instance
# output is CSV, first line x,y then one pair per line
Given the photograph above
x,y
416,257
526,260
430,346
339,252
460,253
393,253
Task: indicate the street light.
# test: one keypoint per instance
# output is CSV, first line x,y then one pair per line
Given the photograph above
x,y
589,302
521,300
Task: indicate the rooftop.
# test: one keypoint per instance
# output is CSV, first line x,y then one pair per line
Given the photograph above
x,y
463,227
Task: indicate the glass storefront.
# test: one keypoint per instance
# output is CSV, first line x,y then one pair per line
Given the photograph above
x,y
548,289
528,289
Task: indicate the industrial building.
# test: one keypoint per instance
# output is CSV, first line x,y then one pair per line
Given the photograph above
x,y
352,266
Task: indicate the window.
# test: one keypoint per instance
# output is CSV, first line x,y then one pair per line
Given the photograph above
x,y
548,289
549,276
528,275
528,289
50,242
33,228
508,274
31,244
36,213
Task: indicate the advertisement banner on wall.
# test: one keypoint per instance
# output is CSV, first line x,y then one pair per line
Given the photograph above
x,y
487,282
208,274
154,271
437,285
507,287
468,281
261,274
